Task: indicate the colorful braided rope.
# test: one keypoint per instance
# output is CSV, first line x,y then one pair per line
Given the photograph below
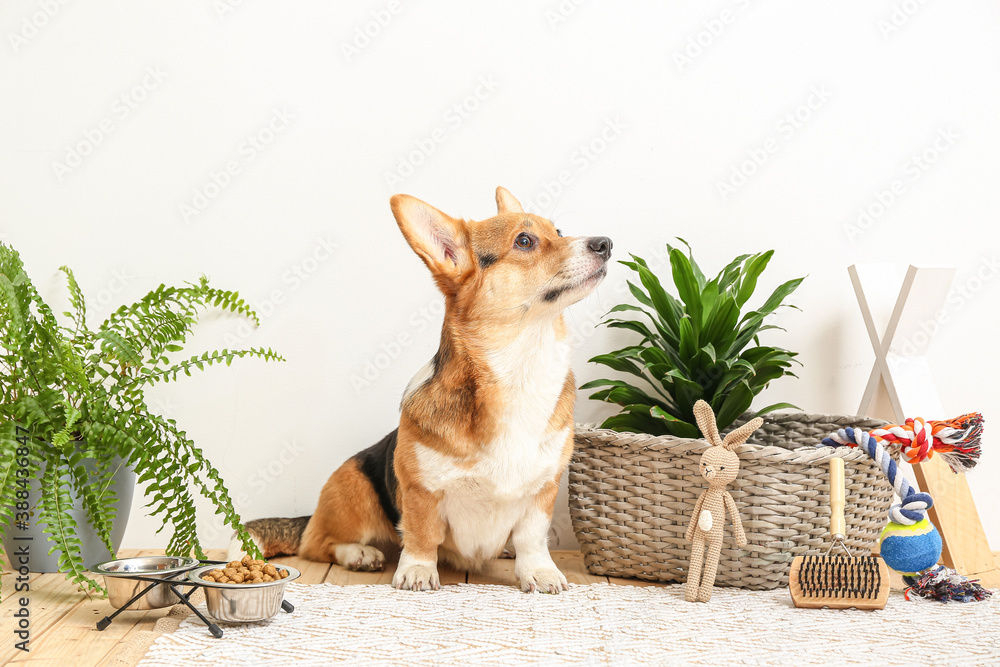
x,y
915,504
957,440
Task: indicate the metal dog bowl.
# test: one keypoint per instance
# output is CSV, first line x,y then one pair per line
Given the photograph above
x,y
242,603
121,589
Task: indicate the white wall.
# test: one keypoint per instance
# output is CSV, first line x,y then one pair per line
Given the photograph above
x,y
304,229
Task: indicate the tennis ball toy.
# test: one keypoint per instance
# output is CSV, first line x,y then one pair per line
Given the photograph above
x,y
911,549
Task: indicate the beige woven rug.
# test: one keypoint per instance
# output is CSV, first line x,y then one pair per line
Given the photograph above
x,y
593,625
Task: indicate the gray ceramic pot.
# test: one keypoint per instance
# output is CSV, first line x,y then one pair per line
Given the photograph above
x,y
93,548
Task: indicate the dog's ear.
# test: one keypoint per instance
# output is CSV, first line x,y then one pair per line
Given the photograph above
x,y
440,240
506,203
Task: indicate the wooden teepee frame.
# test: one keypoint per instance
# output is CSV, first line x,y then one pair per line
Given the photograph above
x,y
901,385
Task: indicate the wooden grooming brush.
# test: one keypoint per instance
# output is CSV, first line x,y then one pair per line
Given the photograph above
x,y
838,582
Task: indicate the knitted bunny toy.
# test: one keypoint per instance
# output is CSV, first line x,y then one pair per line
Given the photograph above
x,y
719,465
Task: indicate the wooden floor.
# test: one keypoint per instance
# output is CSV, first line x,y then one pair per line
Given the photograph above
x,y
63,631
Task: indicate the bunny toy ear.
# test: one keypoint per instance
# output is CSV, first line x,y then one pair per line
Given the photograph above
x,y
737,437
706,422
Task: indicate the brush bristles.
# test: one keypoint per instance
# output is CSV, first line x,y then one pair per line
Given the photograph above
x,y
840,577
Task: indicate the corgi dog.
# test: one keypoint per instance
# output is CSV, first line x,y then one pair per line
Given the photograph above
x,y
486,427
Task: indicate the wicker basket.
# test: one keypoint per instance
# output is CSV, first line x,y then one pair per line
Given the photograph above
x,y
631,496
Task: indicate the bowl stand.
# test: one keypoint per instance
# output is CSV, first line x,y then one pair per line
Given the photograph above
x,y
174,586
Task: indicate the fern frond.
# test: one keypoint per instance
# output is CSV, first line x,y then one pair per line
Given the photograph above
x,y
51,326
117,349
100,507
76,300
41,412
65,435
193,462
54,507
227,300
8,473
153,376
11,317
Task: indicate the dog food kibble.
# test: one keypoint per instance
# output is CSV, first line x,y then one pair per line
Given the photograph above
x,y
246,571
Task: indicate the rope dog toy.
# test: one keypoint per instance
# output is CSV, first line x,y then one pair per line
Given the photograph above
x,y
957,440
910,544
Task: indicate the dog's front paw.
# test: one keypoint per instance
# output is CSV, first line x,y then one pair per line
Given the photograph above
x,y
544,580
416,578
360,557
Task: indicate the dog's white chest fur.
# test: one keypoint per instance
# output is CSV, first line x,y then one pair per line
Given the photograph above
x,y
483,502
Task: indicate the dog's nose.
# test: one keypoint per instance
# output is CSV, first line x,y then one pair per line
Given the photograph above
x,y
601,245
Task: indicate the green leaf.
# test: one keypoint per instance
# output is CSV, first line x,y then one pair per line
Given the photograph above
x,y
634,423
695,269
736,403
746,333
625,307
753,269
627,395
728,275
656,355
720,329
603,383
637,292
687,286
665,305
776,406
688,339
710,296
632,325
657,411
779,294
615,362
729,379
765,374
682,429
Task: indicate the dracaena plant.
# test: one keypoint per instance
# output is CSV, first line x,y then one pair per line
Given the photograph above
x,y
75,398
698,346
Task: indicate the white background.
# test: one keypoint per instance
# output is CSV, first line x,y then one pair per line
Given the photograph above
x,y
685,93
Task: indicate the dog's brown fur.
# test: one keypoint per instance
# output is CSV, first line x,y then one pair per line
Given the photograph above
x,y
505,281
348,512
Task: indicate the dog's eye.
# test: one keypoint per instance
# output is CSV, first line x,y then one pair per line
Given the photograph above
x,y
524,242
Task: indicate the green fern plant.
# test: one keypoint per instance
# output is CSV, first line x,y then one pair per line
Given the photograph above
x,y
70,395
694,347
